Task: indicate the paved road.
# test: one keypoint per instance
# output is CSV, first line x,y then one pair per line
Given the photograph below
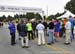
x,y
57,48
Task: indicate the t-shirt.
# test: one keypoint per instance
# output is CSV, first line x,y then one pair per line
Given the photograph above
x,y
68,25
51,25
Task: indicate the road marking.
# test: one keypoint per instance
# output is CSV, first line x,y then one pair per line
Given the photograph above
x,y
56,48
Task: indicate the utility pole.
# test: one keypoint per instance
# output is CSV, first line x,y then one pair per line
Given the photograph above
x,y
47,11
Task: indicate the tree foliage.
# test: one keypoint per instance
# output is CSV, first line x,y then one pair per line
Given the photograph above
x,y
30,15
38,16
24,16
60,14
16,16
50,17
71,6
9,18
55,16
2,18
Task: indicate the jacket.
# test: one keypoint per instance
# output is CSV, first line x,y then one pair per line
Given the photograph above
x,y
22,30
12,28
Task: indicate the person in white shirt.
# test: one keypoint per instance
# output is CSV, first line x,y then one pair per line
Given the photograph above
x,y
41,39
68,32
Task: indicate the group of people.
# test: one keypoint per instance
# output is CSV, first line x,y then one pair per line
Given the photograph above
x,y
54,29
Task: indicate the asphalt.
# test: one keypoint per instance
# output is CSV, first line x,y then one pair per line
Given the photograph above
x,y
56,48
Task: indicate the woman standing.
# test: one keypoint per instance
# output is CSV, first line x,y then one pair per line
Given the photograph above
x,y
57,30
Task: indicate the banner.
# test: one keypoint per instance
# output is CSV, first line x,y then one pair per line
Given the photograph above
x,y
19,9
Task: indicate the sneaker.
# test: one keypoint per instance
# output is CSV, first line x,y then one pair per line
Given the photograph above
x,y
49,43
26,46
39,45
66,43
12,44
23,46
52,42
69,43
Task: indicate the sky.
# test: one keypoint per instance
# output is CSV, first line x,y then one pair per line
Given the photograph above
x,y
53,6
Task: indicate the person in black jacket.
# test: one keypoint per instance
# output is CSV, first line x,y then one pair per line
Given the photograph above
x,y
51,33
34,28
23,34
18,30
45,24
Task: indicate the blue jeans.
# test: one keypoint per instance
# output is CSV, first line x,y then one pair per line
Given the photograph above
x,y
51,36
72,34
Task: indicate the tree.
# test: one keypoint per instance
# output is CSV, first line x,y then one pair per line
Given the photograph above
x,y
38,16
24,16
55,16
30,15
2,18
10,18
21,16
50,17
71,6
59,14
16,16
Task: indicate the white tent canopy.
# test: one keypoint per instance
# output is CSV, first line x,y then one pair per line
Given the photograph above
x,y
67,14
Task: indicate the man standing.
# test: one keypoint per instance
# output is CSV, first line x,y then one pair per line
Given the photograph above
x,y
12,32
18,30
72,27
45,24
41,39
29,29
51,33
23,34
34,23
68,32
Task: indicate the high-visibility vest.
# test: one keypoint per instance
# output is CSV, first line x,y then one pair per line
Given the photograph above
x,y
29,26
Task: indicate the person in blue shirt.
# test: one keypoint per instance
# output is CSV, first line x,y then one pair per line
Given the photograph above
x,y
71,19
12,30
